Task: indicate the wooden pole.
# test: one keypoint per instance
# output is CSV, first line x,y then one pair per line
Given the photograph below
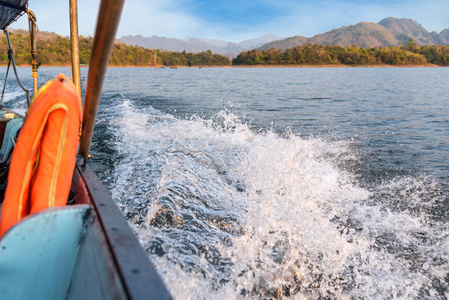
x,y
76,74
107,23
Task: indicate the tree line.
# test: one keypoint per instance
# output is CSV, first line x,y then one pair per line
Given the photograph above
x,y
315,54
437,54
56,51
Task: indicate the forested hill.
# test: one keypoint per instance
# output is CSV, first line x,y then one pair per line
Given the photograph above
x,y
54,50
410,54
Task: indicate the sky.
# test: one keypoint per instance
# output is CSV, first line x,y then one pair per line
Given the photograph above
x,y
237,20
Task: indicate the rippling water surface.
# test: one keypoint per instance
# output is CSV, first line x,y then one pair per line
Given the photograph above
x,y
281,183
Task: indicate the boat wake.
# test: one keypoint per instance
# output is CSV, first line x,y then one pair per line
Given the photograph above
x,y
15,100
226,211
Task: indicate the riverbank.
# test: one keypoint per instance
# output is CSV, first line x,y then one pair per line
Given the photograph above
x,y
261,66
335,66
295,66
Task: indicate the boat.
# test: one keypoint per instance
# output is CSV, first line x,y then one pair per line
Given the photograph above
x,y
82,248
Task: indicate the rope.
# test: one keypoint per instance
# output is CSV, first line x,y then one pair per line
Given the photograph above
x,y
6,77
32,26
14,67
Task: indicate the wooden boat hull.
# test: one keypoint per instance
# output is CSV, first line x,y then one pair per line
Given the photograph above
x,y
80,251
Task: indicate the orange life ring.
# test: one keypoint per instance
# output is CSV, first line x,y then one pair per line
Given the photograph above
x,y
44,158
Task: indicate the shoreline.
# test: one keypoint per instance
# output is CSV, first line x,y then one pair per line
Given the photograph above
x,y
258,66
330,66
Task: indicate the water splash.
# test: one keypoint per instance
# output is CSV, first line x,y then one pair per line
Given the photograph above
x,y
226,212
15,100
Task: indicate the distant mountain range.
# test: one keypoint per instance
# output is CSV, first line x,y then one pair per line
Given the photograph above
x,y
196,45
388,32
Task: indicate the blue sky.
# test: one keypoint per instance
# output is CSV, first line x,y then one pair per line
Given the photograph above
x,y
237,20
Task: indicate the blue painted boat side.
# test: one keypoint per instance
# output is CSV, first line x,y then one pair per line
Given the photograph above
x,y
138,275
95,275
38,254
82,251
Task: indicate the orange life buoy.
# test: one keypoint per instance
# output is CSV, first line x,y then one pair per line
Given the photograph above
x,y
44,158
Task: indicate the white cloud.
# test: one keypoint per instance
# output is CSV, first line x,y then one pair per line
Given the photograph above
x,y
312,18
307,18
53,16
171,18
157,18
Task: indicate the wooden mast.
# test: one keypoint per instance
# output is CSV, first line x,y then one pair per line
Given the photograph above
x,y
107,23
74,43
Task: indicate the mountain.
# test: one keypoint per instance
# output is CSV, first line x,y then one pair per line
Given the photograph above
x,y
363,34
260,41
388,32
290,42
444,36
170,44
217,43
403,29
196,45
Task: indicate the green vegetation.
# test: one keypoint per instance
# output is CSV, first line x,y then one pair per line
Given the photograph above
x,y
125,55
315,54
438,55
56,51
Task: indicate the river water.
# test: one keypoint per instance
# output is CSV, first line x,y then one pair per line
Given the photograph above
x,y
280,182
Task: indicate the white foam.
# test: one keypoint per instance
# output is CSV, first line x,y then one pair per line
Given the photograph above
x,y
259,215
11,95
